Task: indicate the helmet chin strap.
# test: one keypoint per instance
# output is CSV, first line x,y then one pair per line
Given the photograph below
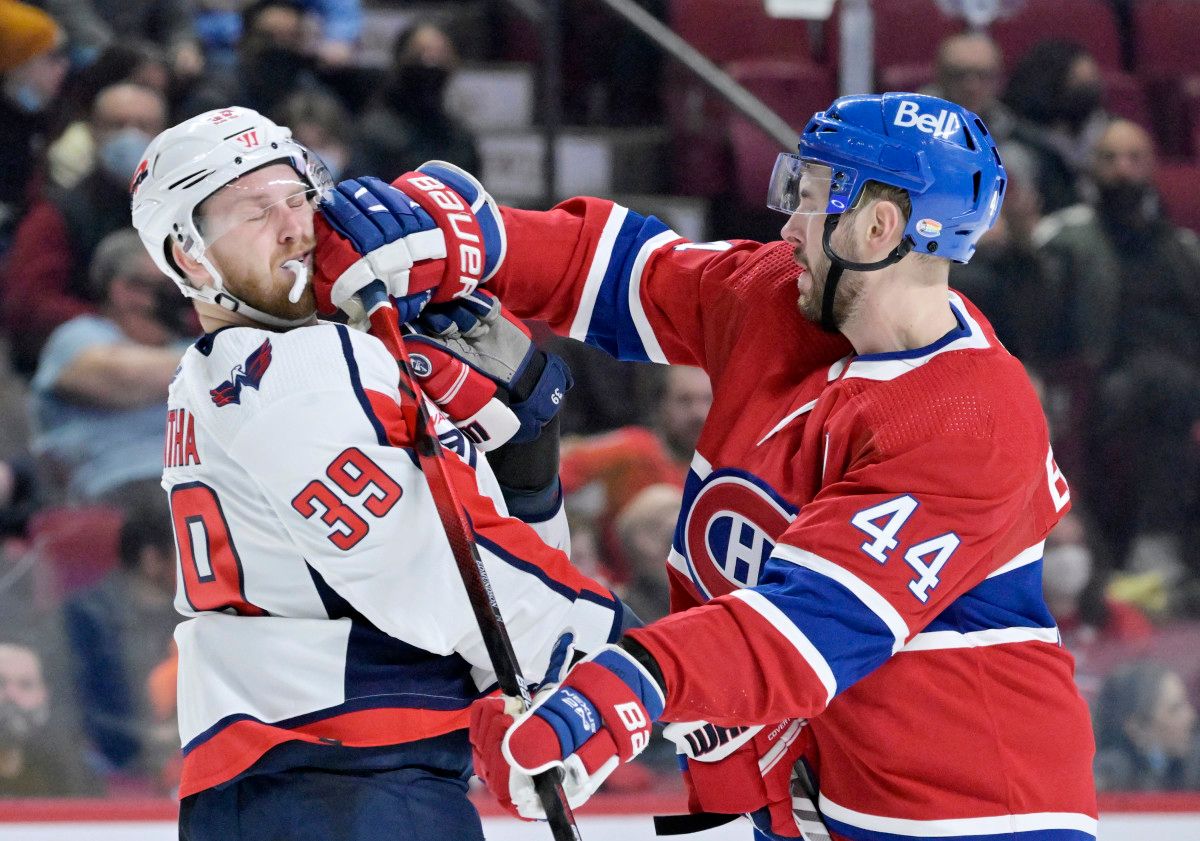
x,y
837,265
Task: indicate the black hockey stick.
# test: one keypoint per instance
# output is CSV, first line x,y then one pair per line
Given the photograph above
x,y
466,556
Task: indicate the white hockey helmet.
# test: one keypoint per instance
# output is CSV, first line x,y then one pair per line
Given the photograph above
x,y
189,162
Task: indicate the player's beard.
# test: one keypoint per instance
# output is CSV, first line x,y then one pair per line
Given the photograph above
x,y
271,296
849,287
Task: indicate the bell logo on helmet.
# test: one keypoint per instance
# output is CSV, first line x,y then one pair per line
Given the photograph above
x,y
944,125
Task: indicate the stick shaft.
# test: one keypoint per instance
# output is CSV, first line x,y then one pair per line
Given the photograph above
x,y
466,558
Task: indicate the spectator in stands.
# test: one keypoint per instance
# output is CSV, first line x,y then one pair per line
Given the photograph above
x,y
619,464
93,25
32,69
407,124
32,762
1074,592
274,59
970,71
1134,322
1146,736
120,630
219,26
45,279
1056,91
320,122
72,154
645,528
99,393
1009,279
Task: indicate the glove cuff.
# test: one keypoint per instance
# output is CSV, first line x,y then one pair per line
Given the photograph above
x,y
544,400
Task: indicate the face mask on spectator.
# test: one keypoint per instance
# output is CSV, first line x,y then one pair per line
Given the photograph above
x,y
1079,102
1128,204
122,152
418,88
18,724
1066,570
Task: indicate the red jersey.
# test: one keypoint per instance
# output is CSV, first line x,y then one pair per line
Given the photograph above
x,y
861,536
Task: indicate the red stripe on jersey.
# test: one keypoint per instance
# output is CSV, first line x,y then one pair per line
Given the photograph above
x,y
235,749
398,419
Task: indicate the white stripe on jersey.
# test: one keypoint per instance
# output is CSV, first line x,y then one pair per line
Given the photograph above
x,y
941,640
596,272
1031,555
779,620
636,310
866,594
950,827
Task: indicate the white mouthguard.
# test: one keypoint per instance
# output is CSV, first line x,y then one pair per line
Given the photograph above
x,y
301,272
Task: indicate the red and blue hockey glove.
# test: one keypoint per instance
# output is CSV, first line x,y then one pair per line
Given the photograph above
x,y
747,770
467,214
368,230
478,330
597,718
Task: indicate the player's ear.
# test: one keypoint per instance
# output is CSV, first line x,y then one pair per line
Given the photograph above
x,y
886,226
190,267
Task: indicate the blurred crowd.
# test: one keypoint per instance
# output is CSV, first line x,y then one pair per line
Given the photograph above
x,y
1088,278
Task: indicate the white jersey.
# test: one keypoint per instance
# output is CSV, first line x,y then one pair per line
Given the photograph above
x,y
324,602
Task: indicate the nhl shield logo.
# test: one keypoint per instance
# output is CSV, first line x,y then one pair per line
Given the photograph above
x,y
730,530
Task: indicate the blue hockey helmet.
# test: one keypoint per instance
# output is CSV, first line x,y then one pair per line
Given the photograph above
x,y
940,153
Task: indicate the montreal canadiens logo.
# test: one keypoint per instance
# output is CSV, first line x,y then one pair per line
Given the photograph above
x,y
731,529
420,364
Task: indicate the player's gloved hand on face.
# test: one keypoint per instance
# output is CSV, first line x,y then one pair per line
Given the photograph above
x,y
598,717
467,397
470,219
743,770
366,231
480,332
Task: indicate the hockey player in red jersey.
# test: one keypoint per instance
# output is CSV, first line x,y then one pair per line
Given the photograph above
x,y
330,655
858,623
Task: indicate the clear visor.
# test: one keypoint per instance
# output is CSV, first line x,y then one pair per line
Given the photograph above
x,y
260,201
807,187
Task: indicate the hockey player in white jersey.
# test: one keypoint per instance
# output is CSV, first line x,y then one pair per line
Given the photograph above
x,y
330,655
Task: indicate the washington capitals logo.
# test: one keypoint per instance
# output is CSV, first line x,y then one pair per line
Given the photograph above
x,y
248,374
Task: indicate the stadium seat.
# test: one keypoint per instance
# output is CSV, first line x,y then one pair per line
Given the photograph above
x,y
1165,37
905,77
794,91
706,25
1090,23
906,32
1179,188
75,547
1125,97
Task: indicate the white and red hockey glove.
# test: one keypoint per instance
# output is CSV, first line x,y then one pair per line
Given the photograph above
x,y
749,770
598,717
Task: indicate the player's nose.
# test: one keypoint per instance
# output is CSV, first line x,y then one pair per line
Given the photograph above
x,y
793,230
296,223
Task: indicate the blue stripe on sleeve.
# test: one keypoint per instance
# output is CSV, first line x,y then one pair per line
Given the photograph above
x,y
1011,600
851,638
612,328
